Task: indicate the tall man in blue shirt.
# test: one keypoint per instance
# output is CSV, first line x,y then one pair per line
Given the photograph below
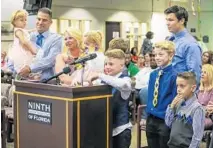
x,y
188,53
50,43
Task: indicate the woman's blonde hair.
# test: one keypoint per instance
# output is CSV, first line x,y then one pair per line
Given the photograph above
x,y
209,71
18,14
76,34
94,37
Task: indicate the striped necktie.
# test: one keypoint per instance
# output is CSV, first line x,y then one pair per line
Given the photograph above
x,y
39,40
155,100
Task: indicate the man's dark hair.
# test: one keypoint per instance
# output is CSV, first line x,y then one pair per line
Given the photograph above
x,y
180,12
46,10
149,34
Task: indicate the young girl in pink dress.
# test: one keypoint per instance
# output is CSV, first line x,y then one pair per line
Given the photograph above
x,y
22,51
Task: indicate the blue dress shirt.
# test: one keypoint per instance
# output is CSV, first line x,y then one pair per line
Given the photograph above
x,y
167,91
188,54
45,57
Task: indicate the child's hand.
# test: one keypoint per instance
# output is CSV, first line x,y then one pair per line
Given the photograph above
x,y
209,107
93,76
76,83
176,101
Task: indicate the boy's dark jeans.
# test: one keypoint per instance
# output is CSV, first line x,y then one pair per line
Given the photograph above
x,y
157,132
123,140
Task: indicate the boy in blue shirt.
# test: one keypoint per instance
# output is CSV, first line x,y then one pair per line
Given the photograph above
x,y
121,83
161,91
185,115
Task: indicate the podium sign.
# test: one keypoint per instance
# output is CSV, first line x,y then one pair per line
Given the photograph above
x,y
51,116
40,111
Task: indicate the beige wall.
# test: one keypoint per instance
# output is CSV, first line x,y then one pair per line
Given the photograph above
x,y
100,16
206,26
100,11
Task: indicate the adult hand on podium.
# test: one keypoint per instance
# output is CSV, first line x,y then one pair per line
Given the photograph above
x,y
76,83
65,80
25,71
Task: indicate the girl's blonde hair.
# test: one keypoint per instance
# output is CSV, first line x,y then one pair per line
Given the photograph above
x,y
209,71
94,37
18,14
76,34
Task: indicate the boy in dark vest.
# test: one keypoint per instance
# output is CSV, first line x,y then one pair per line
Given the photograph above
x,y
113,75
185,115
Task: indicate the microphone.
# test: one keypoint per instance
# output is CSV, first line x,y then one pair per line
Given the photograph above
x,y
66,70
84,59
6,73
2,73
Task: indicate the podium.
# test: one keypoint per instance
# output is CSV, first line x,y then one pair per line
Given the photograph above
x,y
53,116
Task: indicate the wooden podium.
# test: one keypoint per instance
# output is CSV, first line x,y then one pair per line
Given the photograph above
x,y
52,116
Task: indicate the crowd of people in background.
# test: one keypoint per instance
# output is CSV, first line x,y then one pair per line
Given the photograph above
x,y
174,77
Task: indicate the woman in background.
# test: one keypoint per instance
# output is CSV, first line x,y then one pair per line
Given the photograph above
x,y
134,52
141,62
147,44
147,58
205,94
207,57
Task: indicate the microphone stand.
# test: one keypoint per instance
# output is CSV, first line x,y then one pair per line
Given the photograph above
x,y
82,72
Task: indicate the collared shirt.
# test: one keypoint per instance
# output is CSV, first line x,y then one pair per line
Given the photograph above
x,y
124,86
167,91
142,77
188,54
121,84
204,97
132,69
197,123
45,57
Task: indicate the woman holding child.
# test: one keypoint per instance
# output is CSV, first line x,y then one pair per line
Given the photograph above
x,y
77,48
73,43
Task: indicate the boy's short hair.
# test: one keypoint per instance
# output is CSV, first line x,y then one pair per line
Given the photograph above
x,y
118,43
140,56
168,46
115,53
189,76
18,14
